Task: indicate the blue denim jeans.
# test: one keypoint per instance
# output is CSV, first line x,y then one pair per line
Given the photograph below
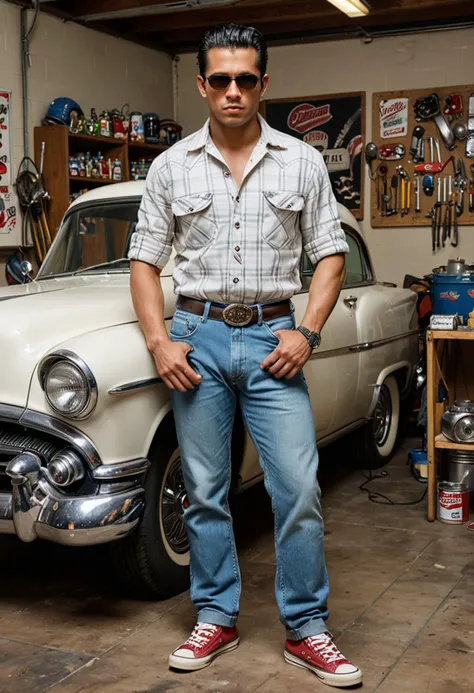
x,y
278,417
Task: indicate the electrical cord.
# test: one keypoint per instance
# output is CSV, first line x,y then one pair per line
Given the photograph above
x,y
380,498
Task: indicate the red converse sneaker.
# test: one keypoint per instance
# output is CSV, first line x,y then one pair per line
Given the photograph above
x,y
320,655
206,642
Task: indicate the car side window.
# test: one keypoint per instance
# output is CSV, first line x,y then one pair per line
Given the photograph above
x,y
357,266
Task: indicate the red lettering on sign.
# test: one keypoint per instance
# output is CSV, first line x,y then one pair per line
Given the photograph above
x,y
306,117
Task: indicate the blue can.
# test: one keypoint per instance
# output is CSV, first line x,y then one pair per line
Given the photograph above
x,y
452,294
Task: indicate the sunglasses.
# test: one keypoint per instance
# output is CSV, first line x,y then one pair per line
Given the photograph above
x,y
247,81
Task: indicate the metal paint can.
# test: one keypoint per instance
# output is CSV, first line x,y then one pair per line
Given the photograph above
x,y
453,502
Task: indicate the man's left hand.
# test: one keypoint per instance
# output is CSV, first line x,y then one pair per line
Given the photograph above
x,y
290,355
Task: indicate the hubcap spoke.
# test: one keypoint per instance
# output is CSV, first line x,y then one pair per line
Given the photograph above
x,y
383,416
172,509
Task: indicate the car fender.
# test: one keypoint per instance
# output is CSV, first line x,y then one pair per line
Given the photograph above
x,y
132,401
383,375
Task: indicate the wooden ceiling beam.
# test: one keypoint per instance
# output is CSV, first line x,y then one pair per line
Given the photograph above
x,y
81,8
186,40
277,11
282,11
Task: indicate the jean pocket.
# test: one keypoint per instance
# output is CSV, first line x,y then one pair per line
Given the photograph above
x,y
285,322
184,325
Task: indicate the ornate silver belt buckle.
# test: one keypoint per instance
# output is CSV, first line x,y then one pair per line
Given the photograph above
x,y
237,315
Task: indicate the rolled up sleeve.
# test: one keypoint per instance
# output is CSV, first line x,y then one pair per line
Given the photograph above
x,y
153,238
320,224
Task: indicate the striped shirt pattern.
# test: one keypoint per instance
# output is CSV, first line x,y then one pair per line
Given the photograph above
x,y
238,245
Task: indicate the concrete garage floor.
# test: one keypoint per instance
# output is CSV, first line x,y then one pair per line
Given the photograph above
x,y
401,605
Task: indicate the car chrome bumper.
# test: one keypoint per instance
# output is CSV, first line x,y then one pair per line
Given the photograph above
x,y
37,509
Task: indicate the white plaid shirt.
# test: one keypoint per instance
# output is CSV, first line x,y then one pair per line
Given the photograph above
x,y
238,246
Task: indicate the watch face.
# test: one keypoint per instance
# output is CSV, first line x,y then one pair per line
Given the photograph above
x,y
314,340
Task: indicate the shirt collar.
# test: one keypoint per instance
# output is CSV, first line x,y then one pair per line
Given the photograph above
x,y
269,137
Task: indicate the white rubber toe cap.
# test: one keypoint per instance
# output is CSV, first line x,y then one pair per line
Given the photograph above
x,y
184,654
346,669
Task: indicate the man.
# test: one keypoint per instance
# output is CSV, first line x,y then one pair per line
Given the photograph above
x,y
239,201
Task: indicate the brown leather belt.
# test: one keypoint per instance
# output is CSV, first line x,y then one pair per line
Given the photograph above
x,y
235,314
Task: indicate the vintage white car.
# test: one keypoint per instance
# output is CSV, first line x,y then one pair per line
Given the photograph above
x,y
88,450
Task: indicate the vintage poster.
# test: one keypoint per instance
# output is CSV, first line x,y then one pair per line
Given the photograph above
x,y
7,206
393,118
334,125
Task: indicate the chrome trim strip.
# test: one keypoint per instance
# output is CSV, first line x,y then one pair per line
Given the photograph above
x,y
48,424
136,385
10,413
363,346
381,342
117,471
66,355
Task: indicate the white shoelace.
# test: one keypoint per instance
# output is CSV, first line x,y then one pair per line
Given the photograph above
x,y
325,647
201,635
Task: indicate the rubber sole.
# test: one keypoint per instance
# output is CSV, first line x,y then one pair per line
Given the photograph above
x,y
336,680
184,664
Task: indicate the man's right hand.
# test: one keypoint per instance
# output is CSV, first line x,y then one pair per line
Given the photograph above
x,y
172,365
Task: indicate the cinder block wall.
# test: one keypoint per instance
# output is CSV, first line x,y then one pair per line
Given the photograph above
x,y
69,60
410,62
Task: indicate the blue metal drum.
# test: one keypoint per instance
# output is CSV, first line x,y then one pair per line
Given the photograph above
x,y
452,293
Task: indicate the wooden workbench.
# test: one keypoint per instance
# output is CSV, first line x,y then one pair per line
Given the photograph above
x,y
450,363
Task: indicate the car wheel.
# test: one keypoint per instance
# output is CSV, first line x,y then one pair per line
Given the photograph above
x,y
154,560
381,433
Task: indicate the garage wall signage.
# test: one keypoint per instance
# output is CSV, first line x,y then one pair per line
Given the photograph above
x,y
334,124
7,208
393,118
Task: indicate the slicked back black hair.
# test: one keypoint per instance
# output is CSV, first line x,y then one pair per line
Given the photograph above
x,y
233,36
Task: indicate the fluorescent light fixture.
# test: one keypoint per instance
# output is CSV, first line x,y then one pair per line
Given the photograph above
x,y
353,8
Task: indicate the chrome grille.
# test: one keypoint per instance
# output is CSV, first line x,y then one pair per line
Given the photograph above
x,y
13,443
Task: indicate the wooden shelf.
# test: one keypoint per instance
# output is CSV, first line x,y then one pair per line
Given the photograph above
x,y
443,443
94,181
96,139
143,146
61,144
450,334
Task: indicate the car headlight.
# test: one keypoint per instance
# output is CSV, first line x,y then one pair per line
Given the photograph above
x,y
68,384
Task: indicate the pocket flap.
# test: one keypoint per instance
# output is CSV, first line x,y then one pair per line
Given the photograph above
x,y
190,204
282,199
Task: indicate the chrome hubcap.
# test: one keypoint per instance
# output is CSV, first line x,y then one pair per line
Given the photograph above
x,y
383,416
174,502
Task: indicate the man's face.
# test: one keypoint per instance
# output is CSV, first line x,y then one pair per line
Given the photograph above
x,y
233,106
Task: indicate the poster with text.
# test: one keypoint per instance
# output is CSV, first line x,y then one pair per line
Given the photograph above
x,y
393,118
335,125
7,207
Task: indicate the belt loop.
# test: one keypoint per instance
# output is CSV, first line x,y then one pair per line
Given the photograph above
x,y
260,313
207,308
292,306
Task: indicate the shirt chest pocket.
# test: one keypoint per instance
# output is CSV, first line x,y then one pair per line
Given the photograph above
x,y
281,217
195,218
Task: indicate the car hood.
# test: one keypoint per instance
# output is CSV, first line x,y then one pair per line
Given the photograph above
x,y
37,317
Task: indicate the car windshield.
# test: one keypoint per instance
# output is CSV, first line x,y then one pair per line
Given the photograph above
x,y
93,238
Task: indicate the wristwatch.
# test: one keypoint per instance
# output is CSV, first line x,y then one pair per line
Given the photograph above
x,y
314,338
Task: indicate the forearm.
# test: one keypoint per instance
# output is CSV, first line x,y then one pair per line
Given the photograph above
x,y
324,291
148,301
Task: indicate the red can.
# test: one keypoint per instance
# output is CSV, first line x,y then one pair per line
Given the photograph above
x,y
453,502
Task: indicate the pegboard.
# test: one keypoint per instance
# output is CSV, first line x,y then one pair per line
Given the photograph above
x,y
413,218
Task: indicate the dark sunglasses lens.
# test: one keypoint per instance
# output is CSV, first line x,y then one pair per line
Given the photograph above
x,y
247,81
219,82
